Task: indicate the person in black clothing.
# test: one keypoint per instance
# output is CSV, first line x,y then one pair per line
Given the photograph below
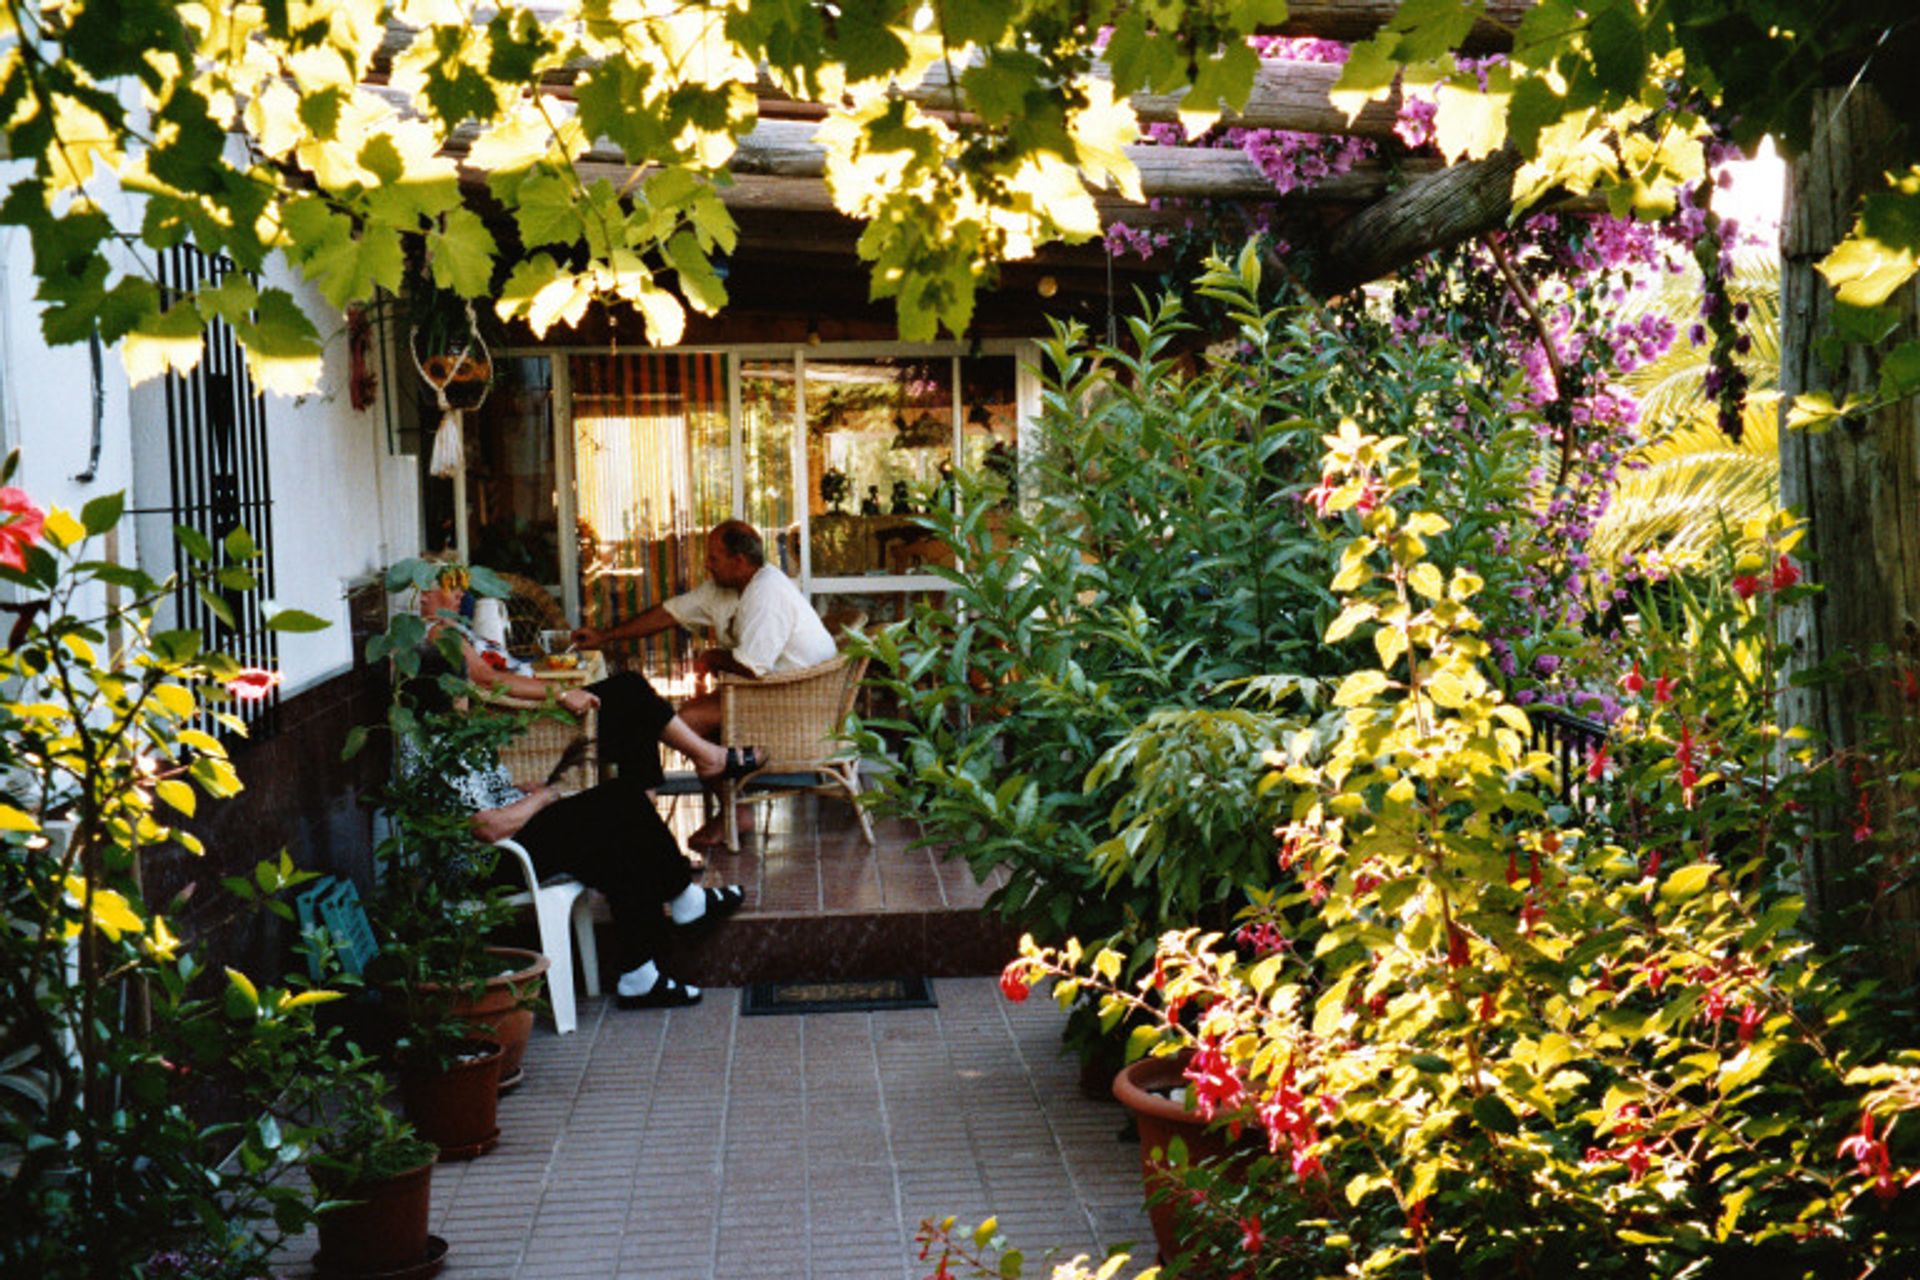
x,y
609,837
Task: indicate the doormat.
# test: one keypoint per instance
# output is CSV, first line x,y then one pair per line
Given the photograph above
x,y
855,995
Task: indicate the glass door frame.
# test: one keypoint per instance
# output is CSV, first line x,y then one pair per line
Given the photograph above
x,y
1025,353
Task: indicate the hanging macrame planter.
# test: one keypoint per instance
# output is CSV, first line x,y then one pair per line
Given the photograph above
x,y
460,380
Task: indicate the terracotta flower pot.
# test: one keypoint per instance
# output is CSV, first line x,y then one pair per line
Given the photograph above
x,y
1143,1088
384,1233
455,1108
505,1008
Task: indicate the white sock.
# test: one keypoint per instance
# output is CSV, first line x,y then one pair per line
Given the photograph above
x,y
688,907
637,982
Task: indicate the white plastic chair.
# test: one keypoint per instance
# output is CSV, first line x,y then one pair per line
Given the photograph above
x,y
553,903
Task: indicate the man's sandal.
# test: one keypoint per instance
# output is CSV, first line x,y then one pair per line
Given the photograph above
x,y
741,761
666,993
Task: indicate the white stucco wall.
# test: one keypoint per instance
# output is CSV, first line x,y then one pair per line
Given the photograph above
x,y
342,507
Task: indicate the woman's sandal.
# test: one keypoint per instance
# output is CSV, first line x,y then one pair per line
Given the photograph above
x,y
741,761
666,993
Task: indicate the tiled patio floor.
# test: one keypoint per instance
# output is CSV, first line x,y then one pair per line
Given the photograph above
x,y
699,1145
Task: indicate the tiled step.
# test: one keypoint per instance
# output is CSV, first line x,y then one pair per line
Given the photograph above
x,y
822,904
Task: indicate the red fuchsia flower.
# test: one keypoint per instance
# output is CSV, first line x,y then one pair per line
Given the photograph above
x,y
1747,1022
1486,1006
1633,682
1636,1156
251,684
1529,913
24,525
1377,1005
1663,688
1714,1007
1533,868
1653,864
1655,975
1307,1166
1683,754
1746,586
1597,763
1370,494
1909,685
1252,1238
1417,1219
1785,574
1321,495
1365,882
1869,1154
1863,813
1457,950
1013,981
1263,938
1317,890
1216,1081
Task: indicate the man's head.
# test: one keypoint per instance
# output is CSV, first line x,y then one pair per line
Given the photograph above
x,y
734,554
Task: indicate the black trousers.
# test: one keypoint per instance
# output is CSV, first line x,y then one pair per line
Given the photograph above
x,y
611,838
632,718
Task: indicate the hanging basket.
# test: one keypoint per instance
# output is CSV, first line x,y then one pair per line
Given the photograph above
x,y
460,380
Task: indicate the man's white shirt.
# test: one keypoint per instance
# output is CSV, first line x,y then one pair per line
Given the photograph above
x,y
769,626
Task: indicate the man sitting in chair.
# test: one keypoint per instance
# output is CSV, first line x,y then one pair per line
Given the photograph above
x,y
763,623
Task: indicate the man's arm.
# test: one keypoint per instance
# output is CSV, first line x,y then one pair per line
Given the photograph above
x,y
722,662
639,627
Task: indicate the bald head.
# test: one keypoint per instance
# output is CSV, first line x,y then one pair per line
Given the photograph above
x,y
734,553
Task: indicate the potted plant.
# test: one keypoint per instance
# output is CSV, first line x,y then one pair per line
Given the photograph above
x,y
436,907
372,1175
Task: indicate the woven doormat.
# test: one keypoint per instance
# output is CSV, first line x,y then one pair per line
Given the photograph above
x,y
858,995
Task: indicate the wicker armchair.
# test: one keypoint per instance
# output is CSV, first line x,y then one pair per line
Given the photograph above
x,y
531,609
531,757
795,718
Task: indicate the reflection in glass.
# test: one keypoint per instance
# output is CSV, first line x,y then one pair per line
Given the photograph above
x,y
766,446
513,521
879,442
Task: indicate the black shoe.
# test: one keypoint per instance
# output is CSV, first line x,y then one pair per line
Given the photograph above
x,y
722,901
741,761
666,993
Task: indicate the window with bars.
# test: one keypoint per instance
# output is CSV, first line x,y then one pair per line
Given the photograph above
x,y
218,482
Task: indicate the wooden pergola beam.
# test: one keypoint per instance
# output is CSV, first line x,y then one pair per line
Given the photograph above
x,y
1434,210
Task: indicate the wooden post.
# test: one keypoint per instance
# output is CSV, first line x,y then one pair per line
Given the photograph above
x,y
1858,485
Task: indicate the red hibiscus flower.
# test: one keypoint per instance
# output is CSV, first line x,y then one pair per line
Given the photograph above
x,y
24,525
252,684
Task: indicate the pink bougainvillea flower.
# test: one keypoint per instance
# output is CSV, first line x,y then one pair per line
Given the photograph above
x,y
1746,586
1785,574
1633,682
24,525
252,683
1013,982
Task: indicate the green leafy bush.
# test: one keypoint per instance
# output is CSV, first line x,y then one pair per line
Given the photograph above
x,y
1492,1034
1086,707
109,1015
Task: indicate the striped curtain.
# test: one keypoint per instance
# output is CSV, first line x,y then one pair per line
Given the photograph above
x,y
653,473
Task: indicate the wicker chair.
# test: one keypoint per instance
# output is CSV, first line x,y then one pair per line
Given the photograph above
x,y
796,718
530,610
531,757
